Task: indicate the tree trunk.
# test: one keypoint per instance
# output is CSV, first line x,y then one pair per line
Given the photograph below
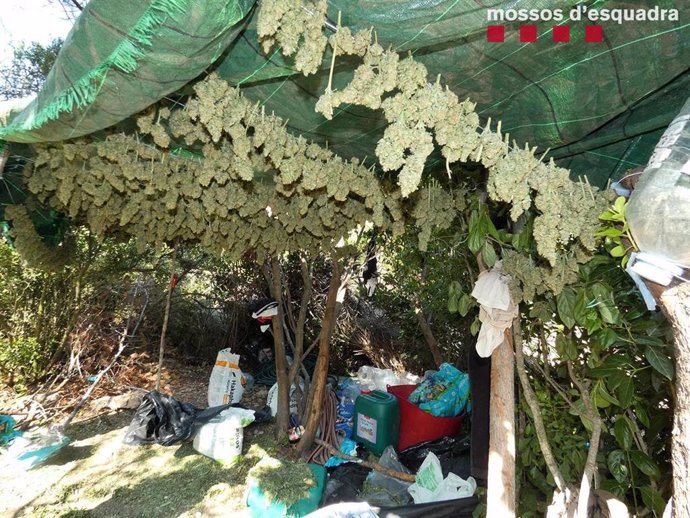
x,y
318,388
676,304
299,336
500,499
428,334
283,413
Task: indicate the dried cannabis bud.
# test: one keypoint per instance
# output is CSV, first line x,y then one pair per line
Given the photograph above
x,y
31,246
252,185
296,27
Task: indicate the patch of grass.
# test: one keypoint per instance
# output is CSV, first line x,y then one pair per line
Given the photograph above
x,y
101,477
98,476
65,493
76,513
282,481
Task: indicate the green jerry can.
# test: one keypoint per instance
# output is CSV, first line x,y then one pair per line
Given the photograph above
x,y
377,421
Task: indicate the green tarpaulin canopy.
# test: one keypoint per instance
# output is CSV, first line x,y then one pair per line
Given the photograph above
x,y
599,106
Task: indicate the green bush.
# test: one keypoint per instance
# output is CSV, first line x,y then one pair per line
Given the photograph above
x,y
22,360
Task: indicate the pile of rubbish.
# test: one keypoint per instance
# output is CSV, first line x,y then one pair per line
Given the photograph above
x,y
399,447
398,435
414,425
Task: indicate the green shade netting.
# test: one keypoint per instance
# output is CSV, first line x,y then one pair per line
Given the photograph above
x,y
599,107
120,57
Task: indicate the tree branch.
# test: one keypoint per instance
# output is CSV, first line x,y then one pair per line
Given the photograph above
x,y
166,317
591,463
533,404
407,477
283,414
77,5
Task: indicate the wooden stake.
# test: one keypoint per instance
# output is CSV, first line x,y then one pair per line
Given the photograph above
x,y
407,477
166,318
500,499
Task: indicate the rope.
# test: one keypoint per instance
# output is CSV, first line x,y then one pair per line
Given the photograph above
x,y
320,454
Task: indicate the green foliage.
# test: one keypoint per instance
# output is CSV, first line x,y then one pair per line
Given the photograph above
x,y
32,315
622,352
45,314
616,230
27,71
22,359
568,443
412,278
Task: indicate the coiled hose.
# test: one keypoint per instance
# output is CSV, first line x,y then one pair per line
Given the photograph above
x,y
320,453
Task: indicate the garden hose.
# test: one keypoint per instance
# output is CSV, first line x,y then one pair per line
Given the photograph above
x,y
320,454
266,371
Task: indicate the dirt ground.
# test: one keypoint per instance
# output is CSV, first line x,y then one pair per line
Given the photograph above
x,y
96,475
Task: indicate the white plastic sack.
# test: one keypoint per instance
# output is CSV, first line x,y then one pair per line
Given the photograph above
x,y
430,486
371,378
272,399
221,438
344,510
491,289
227,383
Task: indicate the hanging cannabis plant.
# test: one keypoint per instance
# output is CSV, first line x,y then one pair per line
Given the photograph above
x,y
423,114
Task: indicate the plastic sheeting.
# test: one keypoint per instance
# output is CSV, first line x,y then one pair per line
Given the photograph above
x,y
122,56
659,209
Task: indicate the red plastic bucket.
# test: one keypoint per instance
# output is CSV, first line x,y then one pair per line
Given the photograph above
x,y
416,425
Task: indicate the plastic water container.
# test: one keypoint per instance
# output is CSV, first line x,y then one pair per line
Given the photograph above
x,y
377,421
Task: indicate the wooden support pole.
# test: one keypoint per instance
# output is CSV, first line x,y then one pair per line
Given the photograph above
x,y
676,304
500,499
166,318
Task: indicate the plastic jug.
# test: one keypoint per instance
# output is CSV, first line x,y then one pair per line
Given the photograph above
x,y
377,421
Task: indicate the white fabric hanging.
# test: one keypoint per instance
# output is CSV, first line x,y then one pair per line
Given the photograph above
x,y
496,309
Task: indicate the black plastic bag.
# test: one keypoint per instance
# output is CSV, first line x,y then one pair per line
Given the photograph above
x,y
344,483
452,452
263,415
162,419
459,508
